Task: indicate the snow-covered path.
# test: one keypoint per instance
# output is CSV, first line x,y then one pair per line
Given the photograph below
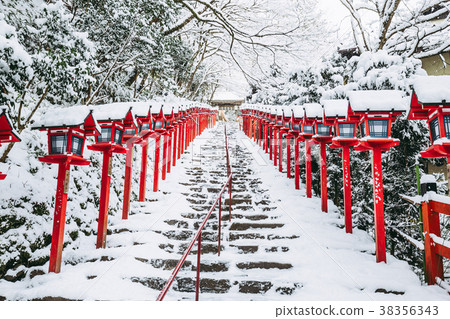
x,y
278,246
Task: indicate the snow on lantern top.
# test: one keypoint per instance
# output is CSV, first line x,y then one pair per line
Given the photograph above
x,y
432,90
313,111
336,109
7,132
377,101
73,116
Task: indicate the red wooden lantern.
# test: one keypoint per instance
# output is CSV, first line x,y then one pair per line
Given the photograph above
x,y
159,127
136,135
430,101
67,130
377,111
284,129
344,123
296,130
272,134
312,111
322,136
111,118
182,130
176,129
7,132
167,137
278,124
265,122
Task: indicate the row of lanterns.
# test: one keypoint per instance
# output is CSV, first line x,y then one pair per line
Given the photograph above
x,y
335,123
116,128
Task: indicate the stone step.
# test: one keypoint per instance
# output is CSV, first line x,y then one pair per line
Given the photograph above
x,y
246,226
263,265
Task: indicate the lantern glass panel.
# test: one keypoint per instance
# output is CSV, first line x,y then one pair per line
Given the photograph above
x,y
378,128
105,137
434,129
347,129
308,129
287,125
447,125
130,131
144,126
280,123
323,129
118,136
296,127
58,144
77,145
168,123
157,124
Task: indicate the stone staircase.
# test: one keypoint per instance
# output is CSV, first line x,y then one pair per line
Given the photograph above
x,y
253,245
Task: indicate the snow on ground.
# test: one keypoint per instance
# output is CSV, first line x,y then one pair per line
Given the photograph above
x,y
327,263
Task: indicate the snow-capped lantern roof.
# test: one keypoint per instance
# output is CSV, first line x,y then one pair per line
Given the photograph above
x,y
113,111
377,101
430,93
335,108
432,90
287,111
313,110
156,108
73,116
273,110
279,110
298,111
7,132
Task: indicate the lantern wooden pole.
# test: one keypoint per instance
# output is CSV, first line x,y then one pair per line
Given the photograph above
x,y
169,151
175,140
143,177
323,177
104,198
378,200
280,151
308,168
156,170
347,189
297,164
288,155
183,137
275,147
127,181
59,219
164,161
266,138
180,140
271,144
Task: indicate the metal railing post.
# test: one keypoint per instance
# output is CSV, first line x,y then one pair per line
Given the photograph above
x,y
199,252
220,221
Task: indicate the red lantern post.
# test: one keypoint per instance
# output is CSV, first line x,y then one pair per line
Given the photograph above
x,y
111,119
377,111
276,135
312,111
286,120
272,133
296,130
159,127
323,137
67,130
339,114
7,133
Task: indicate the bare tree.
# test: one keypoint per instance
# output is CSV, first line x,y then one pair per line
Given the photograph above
x,y
418,28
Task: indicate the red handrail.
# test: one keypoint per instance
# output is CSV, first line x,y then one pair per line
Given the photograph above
x,y
198,235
